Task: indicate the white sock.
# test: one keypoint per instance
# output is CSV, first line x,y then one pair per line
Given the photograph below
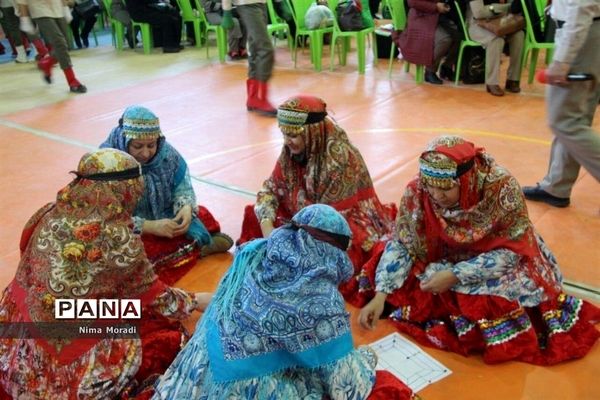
x,y
21,54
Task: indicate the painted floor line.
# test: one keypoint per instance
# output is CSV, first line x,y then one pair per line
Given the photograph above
x,y
474,132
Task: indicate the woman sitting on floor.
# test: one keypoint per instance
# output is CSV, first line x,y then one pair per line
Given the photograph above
x,y
82,247
175,232
466,271
278,328
318,164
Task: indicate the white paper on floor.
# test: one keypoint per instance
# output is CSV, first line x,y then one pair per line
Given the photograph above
x,y
408,362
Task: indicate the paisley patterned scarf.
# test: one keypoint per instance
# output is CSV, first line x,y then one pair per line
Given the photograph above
x,y
492,213
278,305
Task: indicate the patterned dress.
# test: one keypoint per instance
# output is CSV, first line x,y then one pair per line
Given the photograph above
x,y
508,303
83,247
167,189
333,172
277,327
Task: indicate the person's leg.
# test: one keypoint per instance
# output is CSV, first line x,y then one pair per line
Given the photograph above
x,y
54,31
493,52
513,76
570,111
75,26
260,62
441,43
10,24
88,25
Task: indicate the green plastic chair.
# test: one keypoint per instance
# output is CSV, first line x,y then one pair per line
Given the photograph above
x,y
188,14
466,42
146,30
359,36
399,19
278,26
220,33
116,27
315,35
533,46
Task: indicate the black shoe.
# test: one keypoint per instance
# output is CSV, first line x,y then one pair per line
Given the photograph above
x,y
432,78
78,89
171,49
446,73
535,193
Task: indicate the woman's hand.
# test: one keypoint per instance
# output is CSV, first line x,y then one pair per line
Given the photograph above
x,y
161,227
370,313
439,282
183,219
202,300
266,226
442,8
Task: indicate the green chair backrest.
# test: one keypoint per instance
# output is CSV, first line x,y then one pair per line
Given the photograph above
x,y
528,24
462,20
187,12
273,17
398,14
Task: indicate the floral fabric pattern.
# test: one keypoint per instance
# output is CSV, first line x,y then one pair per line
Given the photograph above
x,y
82,246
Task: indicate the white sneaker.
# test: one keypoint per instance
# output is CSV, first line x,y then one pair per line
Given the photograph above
x,y
21,58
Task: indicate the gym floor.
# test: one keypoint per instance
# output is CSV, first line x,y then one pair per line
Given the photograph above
x,y
44,130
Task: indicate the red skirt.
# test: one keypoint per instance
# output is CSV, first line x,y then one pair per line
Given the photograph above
x,y
173,258
556,330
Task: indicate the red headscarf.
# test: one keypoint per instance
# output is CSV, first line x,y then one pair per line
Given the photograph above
x,y
491,214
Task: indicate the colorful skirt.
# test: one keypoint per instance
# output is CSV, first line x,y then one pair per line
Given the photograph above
x,y
173,258
556,330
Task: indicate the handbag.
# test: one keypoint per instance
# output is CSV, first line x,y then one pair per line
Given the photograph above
x,y
350,16
87,8
502,26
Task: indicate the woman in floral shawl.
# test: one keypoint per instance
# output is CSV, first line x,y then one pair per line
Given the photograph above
x,y
83,247
175,231
277,327
318,164
466,271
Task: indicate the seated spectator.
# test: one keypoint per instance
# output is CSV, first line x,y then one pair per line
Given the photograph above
x,y
174,230
163,18
494,46
466,271
242,350
318,164
119,12
83,22
236,36
431,35
82,247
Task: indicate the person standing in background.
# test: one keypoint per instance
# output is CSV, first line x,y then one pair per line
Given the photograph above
x,y
571,105
253,16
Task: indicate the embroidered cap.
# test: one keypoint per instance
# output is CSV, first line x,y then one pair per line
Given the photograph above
x,y
299,111
140,123
438,169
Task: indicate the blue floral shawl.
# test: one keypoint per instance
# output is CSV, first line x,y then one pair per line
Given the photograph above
x,y
166,172
278,306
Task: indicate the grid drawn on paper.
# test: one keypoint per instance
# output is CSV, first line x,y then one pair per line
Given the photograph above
x,y
408,362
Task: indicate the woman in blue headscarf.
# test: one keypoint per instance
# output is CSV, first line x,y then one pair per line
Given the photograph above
x,y
277,326
175,231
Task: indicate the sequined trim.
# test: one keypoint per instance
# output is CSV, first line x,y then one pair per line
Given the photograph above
x,y
501,330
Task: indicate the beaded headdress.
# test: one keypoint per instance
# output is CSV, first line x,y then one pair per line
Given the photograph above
x,y
297,112
140,123
438,169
